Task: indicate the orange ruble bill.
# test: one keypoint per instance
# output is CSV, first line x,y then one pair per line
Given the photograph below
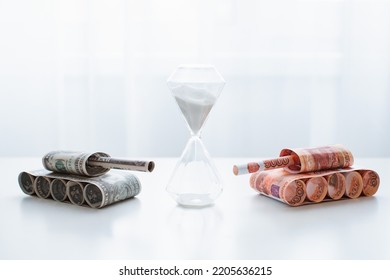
x,y
315,187
370,182
280,186
319,158
336,185
302,160
353,184
268,164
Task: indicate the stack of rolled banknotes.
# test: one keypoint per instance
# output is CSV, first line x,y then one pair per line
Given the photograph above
x,y
310,175
83,178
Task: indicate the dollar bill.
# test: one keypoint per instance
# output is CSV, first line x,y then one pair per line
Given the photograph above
x,y
73,163
42,186
58,189
75,192
26,182
97,192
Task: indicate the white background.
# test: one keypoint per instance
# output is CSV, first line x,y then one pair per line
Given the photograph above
x,y
91,75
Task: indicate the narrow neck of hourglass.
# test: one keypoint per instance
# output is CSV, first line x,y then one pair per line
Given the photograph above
x,y
196,134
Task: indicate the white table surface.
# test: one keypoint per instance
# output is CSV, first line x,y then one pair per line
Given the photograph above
x,y
240,225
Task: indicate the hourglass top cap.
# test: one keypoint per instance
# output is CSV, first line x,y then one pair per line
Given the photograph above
x,y
196,73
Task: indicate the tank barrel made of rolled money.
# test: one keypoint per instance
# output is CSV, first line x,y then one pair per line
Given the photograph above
x,y
302,160
268,164
109,162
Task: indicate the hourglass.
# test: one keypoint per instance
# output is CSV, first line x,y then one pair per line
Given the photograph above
x,y
195,180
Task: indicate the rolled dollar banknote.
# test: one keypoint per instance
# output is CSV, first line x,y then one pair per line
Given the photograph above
x,y
97,192
312,187
58,189
26,183
42,186
73,163
90,164
75,192
302,160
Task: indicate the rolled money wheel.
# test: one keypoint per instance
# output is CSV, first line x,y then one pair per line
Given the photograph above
x,y
273,184
258,182
98,195
93,195
252,181
58,189
75,192
316,189
26,183
336,185
320,158
42,186
73,163
370,182
353,184
294,193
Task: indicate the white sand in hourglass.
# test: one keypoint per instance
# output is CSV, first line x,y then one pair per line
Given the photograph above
x,y
195,105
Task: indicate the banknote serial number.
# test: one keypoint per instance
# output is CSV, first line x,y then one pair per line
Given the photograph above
x,y
242,270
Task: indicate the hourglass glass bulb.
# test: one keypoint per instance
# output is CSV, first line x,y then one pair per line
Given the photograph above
x,y
196,88
195,180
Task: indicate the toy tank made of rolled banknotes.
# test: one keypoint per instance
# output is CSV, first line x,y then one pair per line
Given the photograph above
x,y
83,178
311,175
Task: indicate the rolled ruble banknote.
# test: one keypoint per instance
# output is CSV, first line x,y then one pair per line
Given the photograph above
x,y
316,188
278,185
353,184
302,160
336,185
370,182
319,158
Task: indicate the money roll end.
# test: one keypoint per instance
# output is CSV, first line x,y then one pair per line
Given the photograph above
x,y
354,184
371,182
151,166
26,183
235,170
